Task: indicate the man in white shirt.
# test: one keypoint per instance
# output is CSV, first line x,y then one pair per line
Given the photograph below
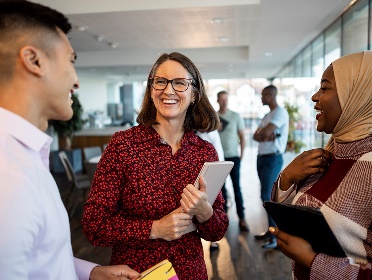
x,y
233,143
37,79
272,136
213,137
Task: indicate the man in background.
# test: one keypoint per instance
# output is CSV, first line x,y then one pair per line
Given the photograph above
x,y
272,136
232,136
37,79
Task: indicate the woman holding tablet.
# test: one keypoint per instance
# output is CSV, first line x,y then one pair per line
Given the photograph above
x,y
142,198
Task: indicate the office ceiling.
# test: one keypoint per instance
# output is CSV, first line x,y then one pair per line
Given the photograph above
x,y
120,40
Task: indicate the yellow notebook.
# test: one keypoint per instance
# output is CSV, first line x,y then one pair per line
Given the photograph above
x,y
161,271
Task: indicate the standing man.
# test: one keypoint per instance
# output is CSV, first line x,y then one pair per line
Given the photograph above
x,y
272,136
232,135
37,79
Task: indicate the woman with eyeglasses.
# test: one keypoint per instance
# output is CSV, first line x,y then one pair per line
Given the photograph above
x,y
142,199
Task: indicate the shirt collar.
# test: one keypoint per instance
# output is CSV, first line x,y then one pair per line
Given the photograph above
x,y
354,148
26,133
150,134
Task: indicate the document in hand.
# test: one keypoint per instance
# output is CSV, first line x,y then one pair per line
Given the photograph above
x,y
161,271
307,223
214,174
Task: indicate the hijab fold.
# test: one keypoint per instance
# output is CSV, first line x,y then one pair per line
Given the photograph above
x,y
353,75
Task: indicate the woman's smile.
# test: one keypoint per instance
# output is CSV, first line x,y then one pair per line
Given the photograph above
x,y
169,101
319,113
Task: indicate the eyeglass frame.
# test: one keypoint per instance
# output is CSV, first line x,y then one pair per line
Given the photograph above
x,y
171,82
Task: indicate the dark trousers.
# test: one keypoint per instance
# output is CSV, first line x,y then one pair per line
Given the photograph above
x,y
268,169
235,178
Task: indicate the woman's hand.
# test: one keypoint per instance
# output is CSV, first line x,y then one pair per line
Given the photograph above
x,y
171,226
308,163
195,202
294,247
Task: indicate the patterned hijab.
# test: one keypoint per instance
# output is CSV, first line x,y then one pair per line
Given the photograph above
x,y
353,74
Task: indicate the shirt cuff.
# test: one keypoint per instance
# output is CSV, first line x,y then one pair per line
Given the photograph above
x,y
283,195
83,268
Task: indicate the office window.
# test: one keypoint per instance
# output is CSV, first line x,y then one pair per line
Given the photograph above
x,y
355,28
298,65
317,63
306,62
332,43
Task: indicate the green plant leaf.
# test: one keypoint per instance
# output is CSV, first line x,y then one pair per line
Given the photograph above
x,y
67,128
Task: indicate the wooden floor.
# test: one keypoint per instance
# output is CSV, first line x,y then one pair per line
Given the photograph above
x,y
240,256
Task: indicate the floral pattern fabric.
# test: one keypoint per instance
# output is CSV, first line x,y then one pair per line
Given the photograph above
x,y
137,181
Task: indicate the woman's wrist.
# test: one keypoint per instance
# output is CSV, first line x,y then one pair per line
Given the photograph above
x,y
153,234
285,182
206,215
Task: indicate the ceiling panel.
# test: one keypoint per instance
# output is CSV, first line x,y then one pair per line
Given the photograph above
x,y
231,46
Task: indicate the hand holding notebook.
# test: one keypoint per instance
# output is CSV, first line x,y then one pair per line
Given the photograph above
x,y
307,223
214,174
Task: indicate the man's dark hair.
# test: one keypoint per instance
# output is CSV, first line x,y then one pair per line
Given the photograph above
x,y
24,22
272,88
24,14
221,93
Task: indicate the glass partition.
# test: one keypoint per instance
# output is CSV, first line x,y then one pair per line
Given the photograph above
x,y
300,77
355,28
332,39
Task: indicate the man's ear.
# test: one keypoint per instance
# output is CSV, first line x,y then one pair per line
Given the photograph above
x,y
31,59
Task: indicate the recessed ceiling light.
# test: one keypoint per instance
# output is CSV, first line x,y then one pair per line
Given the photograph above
x,y
99,38
268,54
114,45
218,20
223,39
82,28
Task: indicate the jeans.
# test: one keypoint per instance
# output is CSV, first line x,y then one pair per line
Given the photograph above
x,y
268,169
235,178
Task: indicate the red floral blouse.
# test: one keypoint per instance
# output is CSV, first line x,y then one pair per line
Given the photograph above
x,y
137,181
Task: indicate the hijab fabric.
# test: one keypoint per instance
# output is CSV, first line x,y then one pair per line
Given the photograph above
x,y
353,75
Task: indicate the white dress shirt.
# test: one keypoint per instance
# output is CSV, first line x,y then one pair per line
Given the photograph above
x,y
213,137
35,233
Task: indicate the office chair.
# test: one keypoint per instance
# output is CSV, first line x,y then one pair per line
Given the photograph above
x,y
90,168
90,152
79,182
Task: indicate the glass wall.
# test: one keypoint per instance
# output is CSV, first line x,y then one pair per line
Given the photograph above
x,y
355,28
332,42
300,78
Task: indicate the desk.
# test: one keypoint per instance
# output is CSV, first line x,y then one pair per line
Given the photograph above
x,y
95,136
95,159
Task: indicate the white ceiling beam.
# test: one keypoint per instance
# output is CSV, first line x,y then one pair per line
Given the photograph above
x,y
71,7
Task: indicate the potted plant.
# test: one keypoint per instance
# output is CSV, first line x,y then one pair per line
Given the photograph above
x,y
66,129
293,145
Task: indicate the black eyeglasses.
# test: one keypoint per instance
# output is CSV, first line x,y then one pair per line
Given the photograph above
x,y
178,84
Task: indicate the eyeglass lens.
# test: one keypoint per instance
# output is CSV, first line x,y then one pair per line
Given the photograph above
x,y
178,84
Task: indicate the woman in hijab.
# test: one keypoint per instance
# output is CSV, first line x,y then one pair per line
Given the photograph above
x,y
338,178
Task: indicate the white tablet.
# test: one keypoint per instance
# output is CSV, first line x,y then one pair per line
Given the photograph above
x,y
214,174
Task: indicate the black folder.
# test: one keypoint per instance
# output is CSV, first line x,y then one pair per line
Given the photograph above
x,y
307,223
224,123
